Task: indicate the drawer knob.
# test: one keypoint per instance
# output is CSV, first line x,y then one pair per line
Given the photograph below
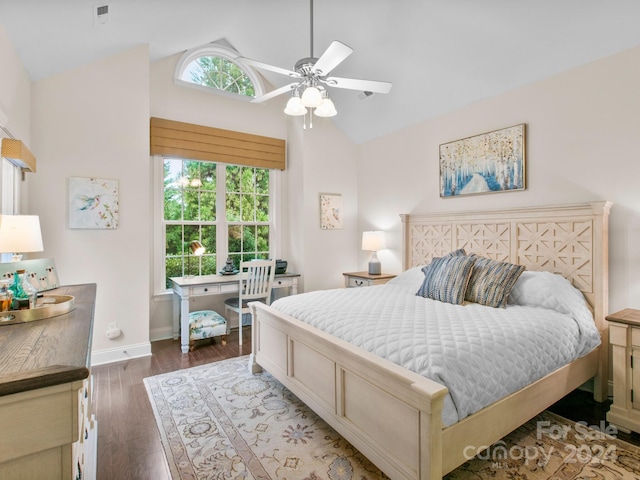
x,y
359,282
206,289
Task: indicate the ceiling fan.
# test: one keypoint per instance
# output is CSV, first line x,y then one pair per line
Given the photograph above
x,y
311,74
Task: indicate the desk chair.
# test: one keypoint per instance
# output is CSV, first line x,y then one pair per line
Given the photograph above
x,y
255,285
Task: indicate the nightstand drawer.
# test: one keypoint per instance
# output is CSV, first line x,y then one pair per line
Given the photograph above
x,y
365,279
358,282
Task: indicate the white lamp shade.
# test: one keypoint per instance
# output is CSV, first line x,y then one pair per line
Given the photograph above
x,y
295,107
311,97
20,233
326,108
373,241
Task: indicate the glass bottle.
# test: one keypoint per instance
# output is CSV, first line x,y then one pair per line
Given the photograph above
x,y
30,291
24,294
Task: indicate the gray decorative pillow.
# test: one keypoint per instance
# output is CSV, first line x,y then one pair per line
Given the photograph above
x,y
491,281
446,278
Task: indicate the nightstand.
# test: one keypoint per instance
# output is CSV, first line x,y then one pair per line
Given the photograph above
x,y
365,279
624,339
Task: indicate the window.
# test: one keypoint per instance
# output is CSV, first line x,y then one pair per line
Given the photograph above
x,y
227,208
214,67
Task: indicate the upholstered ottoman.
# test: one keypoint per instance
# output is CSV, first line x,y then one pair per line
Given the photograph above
x,y
206,324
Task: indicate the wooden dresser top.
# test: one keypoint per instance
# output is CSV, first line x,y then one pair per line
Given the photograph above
x,y
50,351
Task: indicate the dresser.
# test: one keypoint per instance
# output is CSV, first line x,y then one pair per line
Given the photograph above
x,y
48,428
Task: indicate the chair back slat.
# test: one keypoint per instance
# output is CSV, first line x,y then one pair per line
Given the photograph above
x,y
257,280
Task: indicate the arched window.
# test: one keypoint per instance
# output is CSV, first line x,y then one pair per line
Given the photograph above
x,y
214,67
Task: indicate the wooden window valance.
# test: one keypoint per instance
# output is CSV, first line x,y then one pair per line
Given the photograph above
x,y
197,142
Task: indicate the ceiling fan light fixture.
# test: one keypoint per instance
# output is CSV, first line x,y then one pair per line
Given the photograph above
x,y
294,107
326,108
311,97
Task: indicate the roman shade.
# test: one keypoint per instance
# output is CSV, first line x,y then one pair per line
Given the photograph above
x,y
197,142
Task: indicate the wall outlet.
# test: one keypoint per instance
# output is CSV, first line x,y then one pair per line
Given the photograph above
x,y
113,331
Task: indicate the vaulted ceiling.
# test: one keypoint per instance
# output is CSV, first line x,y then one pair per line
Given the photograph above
x,y
439,54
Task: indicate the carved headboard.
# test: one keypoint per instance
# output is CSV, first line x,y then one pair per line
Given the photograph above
x,y
571,240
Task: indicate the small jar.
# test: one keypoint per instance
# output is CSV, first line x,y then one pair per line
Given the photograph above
x,y
6,296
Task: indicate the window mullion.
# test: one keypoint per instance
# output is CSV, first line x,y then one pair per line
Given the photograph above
x,y
221,216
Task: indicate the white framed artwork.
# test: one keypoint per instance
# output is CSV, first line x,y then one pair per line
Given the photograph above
x,y
93,203
330,211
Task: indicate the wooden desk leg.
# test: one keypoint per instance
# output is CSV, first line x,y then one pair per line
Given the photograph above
x,y
184,324
176,316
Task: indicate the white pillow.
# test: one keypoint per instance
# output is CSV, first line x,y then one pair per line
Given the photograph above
x,y
546,290
413,276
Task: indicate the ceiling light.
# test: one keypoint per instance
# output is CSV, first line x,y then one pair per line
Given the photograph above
x,y
326,108
294,106
311,97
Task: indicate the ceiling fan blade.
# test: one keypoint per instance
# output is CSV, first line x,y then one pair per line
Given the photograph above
x,y
331,58
266,66
363,85
274,93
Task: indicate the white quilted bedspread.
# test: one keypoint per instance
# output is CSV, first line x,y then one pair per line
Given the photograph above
x,y
479,353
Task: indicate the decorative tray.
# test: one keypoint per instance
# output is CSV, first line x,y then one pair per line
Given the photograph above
x,y
47,306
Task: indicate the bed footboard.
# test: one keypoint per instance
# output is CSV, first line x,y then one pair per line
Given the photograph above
x,y
393,416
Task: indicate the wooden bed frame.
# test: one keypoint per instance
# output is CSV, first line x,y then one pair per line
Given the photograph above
x,y
394,416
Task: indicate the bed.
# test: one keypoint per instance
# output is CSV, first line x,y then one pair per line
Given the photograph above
x,y
393,415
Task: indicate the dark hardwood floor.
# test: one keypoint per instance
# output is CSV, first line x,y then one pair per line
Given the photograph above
x,y
128,441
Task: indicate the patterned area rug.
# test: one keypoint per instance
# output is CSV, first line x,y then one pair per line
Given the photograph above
x,y
217,421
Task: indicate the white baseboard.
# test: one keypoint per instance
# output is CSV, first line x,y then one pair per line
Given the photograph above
x,y
163,333
126,352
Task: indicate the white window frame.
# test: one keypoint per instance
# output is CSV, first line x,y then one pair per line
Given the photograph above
x,y
221,223
217,50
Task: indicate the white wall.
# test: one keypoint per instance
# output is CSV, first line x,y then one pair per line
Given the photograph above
x,y
15,104
15,91
93,121
582,145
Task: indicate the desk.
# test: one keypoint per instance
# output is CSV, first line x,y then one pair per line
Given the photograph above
x,y
184,288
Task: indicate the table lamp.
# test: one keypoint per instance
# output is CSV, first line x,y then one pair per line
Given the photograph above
x,y
195,248
20,234
374,241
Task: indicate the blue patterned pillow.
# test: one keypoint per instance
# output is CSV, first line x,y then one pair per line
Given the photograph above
x,y
446,278
491,281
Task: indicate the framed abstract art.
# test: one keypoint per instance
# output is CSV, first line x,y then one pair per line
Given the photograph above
x,y
486,163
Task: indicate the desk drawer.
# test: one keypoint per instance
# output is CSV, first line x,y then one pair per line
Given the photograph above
x,y
283,282
204,290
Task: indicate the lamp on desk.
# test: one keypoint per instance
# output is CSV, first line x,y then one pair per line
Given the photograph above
x,y
20,234
374,241
196,249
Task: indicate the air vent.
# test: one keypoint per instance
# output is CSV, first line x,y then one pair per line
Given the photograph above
x,y
101,15
364,95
